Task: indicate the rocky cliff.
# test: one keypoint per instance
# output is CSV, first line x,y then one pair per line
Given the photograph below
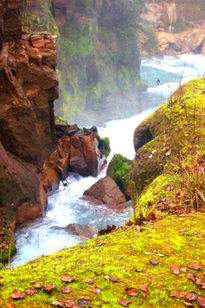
x,y
172,27
27,135
98,54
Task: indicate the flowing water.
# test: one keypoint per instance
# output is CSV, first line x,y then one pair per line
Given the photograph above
x,y
66,205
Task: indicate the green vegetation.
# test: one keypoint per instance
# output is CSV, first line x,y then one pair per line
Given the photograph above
x,y
119,170
174,158
104,145
124,254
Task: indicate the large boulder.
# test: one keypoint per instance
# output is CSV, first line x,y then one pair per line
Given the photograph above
x,y
105,191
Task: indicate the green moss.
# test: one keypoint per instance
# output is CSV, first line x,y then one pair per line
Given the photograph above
x,y
59,119
119,170
119,254
104,145
176,148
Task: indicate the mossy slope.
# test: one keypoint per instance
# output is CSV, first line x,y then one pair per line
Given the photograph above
x,y
175,147
120,254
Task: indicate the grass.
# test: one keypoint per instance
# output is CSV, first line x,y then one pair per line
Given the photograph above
x,y
119,254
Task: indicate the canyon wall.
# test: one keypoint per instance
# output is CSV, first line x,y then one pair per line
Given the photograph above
x,y
28,88
98,57
172,27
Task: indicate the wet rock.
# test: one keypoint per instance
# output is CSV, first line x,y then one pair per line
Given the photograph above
x,y
105,191
81,230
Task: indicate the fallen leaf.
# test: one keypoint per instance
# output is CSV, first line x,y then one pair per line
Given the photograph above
x,y
183,270
10,305
58,304
175,269
124,302
139,270
144,287
111,278
191,276
199,235
90,281
132,291
84,300
144,295
1,277
106,302
59,256
37,285
201,301
49,288
178,294
31,291
68,278
101,262
200,282
191,296
69,303
16,294
95,290
154,262
65,290
197,266
168,153
188,304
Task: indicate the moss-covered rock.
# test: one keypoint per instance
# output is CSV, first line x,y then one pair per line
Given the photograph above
x,y
119,170
171,142
104,145
124,254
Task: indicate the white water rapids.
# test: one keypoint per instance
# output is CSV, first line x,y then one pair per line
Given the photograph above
x,y
66,205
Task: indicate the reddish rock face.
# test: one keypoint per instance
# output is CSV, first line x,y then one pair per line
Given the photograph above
x,y
28,87
105,191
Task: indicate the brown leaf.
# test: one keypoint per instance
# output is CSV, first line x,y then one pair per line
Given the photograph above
x,y
200,282
175,269
68,278
69,304
10,305
188,304
201,301
154,262
65,290
183,270
59,256
111,278
49,288
197,266
139,270
90,281
106,302
144,287
84,300
191,296
37,285
95,290
178,294
191,276
58,304
144,295
31,291
124,302
16,294
132,291
101,262
1,277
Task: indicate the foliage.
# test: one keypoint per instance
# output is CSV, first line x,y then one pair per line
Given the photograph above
x,y
104,145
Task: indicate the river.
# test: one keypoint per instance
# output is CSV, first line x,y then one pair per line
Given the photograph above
x,y
66,205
